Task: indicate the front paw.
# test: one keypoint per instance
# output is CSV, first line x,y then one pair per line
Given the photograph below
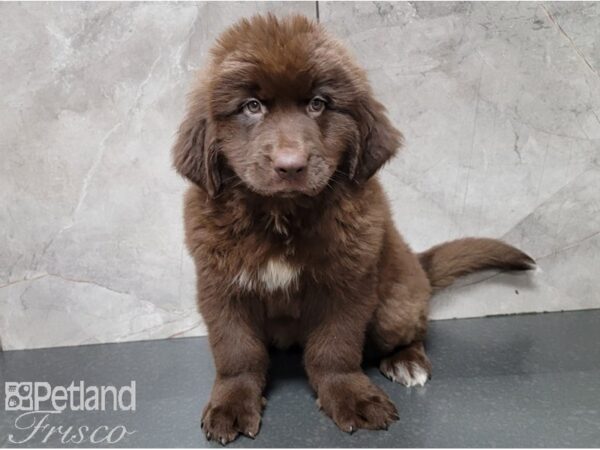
x,y
224,419
353,402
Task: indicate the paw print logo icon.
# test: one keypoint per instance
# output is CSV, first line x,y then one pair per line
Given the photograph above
x,y
18,396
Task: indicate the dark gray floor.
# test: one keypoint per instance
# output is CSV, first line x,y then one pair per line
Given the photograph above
x,y
531,380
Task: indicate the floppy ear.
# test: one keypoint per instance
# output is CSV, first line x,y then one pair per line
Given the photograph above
x,y
378,141
195,153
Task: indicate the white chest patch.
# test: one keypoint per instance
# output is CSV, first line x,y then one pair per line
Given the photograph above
x,y
275,274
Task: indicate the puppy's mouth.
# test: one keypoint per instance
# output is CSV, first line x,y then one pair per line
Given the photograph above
x,y
289,181
291,187
287,189
276,186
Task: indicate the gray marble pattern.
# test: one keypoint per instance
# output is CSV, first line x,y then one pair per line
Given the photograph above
x,y
499,103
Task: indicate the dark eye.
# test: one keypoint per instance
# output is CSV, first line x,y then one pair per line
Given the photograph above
x,y
253,106
316,105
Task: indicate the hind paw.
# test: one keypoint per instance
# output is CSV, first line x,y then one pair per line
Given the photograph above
x,y
409,366
405,372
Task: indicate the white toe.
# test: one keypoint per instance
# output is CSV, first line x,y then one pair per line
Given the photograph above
x,y
400,373
420,375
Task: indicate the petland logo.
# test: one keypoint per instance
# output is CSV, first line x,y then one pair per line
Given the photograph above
x,y
39,401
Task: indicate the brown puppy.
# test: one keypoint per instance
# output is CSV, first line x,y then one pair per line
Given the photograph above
x,y
291,233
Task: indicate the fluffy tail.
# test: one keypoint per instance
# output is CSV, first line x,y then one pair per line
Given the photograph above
x,y
450,260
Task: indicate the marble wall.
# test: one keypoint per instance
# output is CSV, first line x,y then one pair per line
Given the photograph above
x,y
499,102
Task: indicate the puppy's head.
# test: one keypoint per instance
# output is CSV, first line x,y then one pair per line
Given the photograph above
x,y
283,107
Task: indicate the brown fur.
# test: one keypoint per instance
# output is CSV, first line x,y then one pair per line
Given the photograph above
x,y
311,258
445,262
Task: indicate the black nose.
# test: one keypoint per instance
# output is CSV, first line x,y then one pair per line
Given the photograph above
x,y
289,165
